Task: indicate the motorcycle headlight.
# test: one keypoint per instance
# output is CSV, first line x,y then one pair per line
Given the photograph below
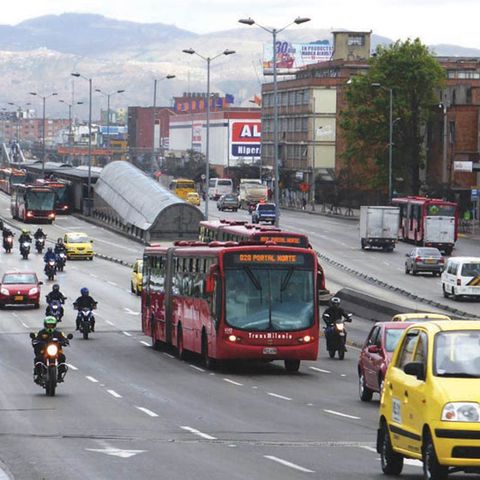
x,y
461,412
51,263
33,291
4,291
52,350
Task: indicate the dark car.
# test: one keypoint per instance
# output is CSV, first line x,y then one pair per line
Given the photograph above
x,y
20,288
264,212
228,201
376,355
424,259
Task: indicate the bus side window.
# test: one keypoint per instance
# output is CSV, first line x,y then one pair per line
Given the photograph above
x,y
216,305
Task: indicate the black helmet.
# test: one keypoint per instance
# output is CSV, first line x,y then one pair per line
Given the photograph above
x,y
84,291
49,249
59,240
335,302
56,287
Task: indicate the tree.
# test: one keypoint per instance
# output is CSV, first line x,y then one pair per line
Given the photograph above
x,y
414,75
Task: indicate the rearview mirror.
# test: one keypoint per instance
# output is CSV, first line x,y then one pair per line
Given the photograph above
x,y
32,335
69,336
415,369
373,349
40,283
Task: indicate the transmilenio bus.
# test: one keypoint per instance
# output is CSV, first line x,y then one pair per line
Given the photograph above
x,y
32,203
9,177
228,301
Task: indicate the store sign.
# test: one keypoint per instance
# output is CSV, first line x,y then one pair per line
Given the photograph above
x,y
463,166
245,138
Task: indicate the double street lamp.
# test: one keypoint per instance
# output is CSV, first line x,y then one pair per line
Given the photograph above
x,y
209,60
70,105
89,194
19,109
155,82
44,98
275,32
108,95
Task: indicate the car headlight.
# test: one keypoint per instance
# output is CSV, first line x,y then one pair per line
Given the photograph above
x,y
461,412
4,291
33,291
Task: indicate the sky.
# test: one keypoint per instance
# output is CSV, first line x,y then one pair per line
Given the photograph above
x,y
433,21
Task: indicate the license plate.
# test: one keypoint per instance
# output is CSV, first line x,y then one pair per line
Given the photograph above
x,y
430,260
18,298
269,351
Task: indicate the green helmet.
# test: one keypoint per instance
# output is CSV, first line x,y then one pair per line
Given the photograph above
x,y
50,323
25,231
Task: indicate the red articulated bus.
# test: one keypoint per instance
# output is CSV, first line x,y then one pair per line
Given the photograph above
x,y
63,192
228,301
430,222
240,231
9,177
32,203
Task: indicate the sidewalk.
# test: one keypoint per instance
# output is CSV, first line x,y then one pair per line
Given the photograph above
x,y
327,211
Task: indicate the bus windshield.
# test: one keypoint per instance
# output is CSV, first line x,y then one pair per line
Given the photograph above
x,y
441,211
40,200
16,179
273,299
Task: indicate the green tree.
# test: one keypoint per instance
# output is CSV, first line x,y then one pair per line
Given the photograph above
x,y
414,75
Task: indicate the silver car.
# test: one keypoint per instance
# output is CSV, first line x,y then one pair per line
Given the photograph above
x,y
424,259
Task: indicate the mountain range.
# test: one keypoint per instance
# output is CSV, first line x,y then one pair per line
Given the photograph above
x,y
39,54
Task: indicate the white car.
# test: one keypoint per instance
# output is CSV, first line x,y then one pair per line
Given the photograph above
x,y
461,277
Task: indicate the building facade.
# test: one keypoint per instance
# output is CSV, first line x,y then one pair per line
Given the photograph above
x,y
31,129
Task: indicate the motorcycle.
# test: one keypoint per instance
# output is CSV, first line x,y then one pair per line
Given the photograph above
x,y
336,335
61,260
86,321
55,308
47,369
25,250
40,244
51,269
8,244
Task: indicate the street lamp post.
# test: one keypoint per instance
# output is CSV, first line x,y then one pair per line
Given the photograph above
x,y
70,130
19,109
275,32
209,60
155,81
108,95
44,98
89,196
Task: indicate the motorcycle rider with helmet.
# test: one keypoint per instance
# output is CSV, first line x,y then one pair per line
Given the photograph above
x,y
333,313
24,237
55,295
60,247
84,301
39,234
42,338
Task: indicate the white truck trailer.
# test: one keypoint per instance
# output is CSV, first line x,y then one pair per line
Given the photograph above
x,y
379,227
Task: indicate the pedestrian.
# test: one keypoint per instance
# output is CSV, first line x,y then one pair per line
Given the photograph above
x,y
304,203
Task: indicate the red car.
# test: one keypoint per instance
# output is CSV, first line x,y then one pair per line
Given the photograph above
x,y
376,355
20,288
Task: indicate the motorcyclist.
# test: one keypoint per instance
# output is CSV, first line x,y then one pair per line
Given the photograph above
x,y
6,232
84,301
55,295
60,246
49,255
39,234
42,338
333,313
24,237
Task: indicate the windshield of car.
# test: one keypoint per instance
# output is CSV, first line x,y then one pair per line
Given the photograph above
x,y
230,198
470,269
457,354
392,336
224,182
19,278
432,252
78,239
269,299
267,207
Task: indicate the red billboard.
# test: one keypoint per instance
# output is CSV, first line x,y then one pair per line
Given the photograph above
x,y
245,138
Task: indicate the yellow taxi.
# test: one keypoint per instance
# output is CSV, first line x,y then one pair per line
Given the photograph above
x,y
430,403
137,277
78,245
418,317
193,198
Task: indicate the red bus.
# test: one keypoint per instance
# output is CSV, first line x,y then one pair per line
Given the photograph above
x,y
63,192
32,203
430,222
227,301
9,177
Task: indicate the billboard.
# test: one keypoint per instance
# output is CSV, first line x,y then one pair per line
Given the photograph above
x,y
245,138
290,57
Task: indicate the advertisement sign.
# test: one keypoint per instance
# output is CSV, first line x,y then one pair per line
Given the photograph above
x,y
245,138
463,166
197,135
290,57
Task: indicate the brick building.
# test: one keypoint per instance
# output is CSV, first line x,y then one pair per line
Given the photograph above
x,y
31,129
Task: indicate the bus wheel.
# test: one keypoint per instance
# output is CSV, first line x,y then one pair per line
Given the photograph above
x,y
180,348
208,361
292,365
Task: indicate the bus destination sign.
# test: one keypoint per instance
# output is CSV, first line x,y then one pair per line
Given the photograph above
x,y
263,258
284,240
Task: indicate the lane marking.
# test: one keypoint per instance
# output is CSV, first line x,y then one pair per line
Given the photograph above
x,y
143,342
15,314
340,414
109,322
112,283
289,464
276,395
73,367
131,312
127,334
196,368
168,355
113,393
93,380
25,325
93,275
233,382
370,449
321,370
198,432
147,411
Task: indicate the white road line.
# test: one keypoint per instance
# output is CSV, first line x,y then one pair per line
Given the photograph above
x,y
289,464
25,325
143,342
93,275
147,411
198,432
340,414
109,322
276,395
233,382
386,263
197,368
127,334
93,380
168,355
370,449
112,283
73,367
113,393
321,370
15,314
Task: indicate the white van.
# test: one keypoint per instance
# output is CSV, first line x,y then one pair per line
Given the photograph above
x,y
218,187
461,277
